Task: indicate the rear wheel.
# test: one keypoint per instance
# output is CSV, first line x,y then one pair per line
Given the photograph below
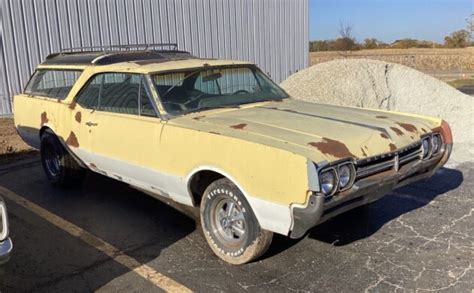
x,y
59,166
229,225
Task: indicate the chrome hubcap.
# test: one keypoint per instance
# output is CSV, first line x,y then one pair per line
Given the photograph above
x,y
230,221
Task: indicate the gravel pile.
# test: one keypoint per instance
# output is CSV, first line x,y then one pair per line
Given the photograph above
x,y
377,84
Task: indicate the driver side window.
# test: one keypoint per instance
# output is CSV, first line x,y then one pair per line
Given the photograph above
x,y
121,93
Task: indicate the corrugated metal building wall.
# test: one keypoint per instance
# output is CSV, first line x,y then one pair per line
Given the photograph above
x,y
271,33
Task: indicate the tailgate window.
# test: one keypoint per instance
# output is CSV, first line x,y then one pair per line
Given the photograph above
x,y
52,83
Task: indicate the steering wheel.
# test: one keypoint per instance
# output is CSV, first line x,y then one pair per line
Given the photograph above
x,y
193,99
178,105
241,92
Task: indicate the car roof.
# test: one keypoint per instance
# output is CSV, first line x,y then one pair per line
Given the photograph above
x,y
130,59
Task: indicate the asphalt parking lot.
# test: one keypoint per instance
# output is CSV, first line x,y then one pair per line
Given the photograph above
x,y
419,238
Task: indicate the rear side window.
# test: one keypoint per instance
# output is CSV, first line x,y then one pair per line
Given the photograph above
x,y
52,83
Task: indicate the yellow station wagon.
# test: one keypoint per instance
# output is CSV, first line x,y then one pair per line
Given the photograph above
x,y
220,135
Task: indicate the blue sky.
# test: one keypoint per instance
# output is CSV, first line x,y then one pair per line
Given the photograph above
x,y
389,20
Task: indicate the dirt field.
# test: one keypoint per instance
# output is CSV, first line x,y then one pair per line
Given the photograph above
x,y
443,63
11,145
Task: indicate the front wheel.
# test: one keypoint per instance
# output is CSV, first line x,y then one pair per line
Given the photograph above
x,y
229,225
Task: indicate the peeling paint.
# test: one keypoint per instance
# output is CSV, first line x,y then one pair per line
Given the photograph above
x,y
397,131
408,127
44,118
72,140
332,147
78,117
239,126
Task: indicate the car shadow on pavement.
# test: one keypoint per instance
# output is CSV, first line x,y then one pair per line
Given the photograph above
x,y
365,221
47,258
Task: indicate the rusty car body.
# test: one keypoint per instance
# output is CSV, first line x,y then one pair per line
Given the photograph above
x,y
296,164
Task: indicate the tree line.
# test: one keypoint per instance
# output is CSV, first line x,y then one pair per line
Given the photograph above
x,y
346,42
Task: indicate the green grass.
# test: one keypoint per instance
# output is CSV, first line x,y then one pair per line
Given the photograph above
x,y
461,82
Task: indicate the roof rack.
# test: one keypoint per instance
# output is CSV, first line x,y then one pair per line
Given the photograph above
x,y
161,46
103,55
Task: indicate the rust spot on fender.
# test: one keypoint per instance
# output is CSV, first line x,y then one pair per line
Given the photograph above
x,y
72,106
381,117
199,117
383,135
397,131
392,147
239,126
72,140
78,117
332,147
44,118
408,127
363,152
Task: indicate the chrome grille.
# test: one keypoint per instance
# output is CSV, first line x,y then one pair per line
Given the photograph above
x,y
384,162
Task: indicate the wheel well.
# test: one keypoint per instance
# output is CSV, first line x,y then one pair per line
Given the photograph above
x,y
200,181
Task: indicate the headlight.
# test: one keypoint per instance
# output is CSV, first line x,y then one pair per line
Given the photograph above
x,y
328,180
425,147
345,176
436,143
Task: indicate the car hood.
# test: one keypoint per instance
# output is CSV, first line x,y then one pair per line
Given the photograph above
x,y
317,131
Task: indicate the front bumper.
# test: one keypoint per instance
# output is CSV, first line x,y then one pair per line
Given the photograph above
x,y
320,209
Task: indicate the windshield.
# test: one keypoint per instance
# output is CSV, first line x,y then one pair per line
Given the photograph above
x,y
206,88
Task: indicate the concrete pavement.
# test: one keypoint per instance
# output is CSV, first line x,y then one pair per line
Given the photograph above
x,y
419,237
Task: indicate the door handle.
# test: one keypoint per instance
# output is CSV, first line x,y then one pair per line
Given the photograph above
x,y
91,124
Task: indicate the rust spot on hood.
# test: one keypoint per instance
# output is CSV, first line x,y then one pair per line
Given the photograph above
x,y
363,152
72,140
78,117
392,147
383,135
239,126
408,127
381,117
397,131
332,147
44,118
199,117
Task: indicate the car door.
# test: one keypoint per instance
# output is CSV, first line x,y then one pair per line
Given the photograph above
x,y
125,130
